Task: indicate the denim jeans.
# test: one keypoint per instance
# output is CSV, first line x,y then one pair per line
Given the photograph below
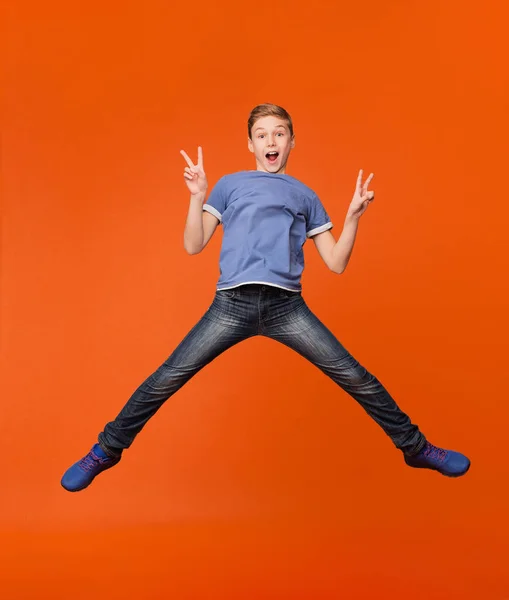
x,y
243,312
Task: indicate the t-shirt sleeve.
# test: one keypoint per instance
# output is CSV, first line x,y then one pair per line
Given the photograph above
x,y
216,202
318,220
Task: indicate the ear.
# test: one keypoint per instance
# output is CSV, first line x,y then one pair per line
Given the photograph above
x,y
250,144
292,143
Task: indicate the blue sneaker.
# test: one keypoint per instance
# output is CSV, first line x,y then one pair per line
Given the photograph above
x,y
447,462
82,473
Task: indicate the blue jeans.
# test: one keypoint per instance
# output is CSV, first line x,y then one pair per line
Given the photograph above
x,y
241,313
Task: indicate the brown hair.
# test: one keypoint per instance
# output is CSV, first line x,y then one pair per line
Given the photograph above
x,y
268,110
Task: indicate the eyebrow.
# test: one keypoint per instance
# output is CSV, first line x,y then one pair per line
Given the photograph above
x,y
263,128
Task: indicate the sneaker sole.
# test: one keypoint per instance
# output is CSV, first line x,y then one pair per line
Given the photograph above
x,y
74,489
452,476
457,474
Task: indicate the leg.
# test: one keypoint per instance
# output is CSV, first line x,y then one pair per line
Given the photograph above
x,y
302,331
222,326
217,331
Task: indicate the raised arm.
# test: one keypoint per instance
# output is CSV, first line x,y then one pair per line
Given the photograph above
x,y
200,225
336,255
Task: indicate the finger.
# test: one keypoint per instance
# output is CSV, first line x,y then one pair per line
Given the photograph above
x,y
371,196
366,185
187,176
359,180
368,181
188,160
190,171
200,157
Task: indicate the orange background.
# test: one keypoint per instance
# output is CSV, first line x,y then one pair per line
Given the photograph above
x,y
260,478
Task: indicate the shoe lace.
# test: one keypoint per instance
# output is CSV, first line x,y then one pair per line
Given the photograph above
x,y
435,452
90,461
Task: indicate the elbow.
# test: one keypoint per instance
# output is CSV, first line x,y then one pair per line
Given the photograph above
x,y
336,264
192,250
337,270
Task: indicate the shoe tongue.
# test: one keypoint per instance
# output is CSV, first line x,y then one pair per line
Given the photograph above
x,y
99,451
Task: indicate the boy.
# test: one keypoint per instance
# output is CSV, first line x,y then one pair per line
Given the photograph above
x,y
266,216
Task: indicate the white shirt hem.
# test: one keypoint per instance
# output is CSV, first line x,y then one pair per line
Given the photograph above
x,y
213,211
231,287
320,229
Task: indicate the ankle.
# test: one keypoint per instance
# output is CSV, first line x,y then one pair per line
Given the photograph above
x,y
110,452
419,448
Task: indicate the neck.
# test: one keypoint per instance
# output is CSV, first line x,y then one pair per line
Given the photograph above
x,y
282,170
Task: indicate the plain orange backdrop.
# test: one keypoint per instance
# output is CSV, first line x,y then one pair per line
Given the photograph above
x,y
260,478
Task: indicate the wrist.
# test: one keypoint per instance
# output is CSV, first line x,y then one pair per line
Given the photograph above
x,y
352,219
199,197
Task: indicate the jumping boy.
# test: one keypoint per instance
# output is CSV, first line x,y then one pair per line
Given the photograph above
x,y
266,216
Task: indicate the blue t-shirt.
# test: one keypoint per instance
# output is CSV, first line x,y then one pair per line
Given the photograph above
x,y
266,220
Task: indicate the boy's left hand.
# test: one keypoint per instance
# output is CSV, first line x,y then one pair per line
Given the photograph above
x,y
362,198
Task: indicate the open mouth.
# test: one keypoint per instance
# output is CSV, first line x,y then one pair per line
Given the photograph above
x,y
272,156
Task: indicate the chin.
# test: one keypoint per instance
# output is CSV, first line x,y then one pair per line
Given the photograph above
x,y
275,168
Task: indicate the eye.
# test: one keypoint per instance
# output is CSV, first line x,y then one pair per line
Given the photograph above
x,y
280,133
261,135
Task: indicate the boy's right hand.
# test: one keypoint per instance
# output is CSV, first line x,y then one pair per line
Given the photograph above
x,y
195,177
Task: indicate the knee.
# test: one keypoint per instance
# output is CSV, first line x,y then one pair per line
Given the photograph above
x,y
357,375
165,377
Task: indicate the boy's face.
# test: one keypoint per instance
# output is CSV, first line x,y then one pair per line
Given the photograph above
x,y
271,143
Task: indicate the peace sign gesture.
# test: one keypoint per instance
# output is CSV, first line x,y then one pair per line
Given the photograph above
x,y
362,198
194,174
